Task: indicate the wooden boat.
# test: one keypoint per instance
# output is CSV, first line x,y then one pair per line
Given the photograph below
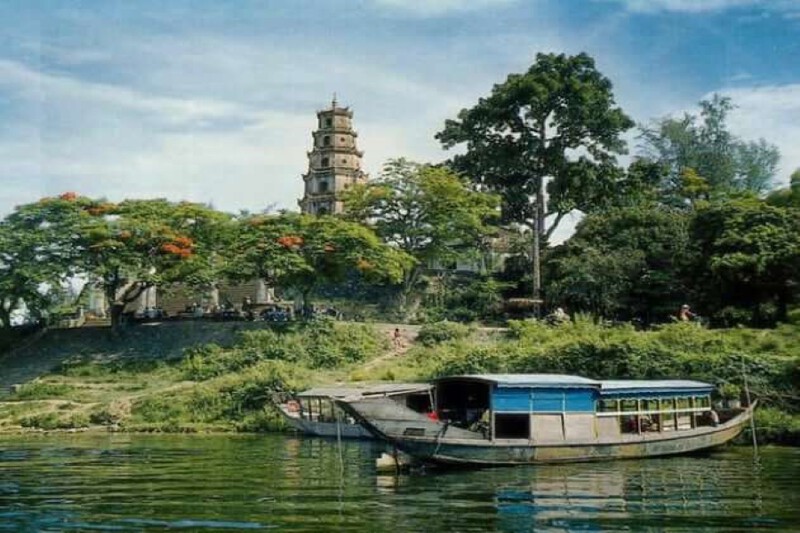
x,y
544,418
314,411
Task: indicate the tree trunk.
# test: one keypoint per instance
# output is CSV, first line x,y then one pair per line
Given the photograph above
x,y
5,317
537,270
117,310
538,230
410,280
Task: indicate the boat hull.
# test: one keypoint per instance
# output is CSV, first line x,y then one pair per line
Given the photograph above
x,y
489,454
438,445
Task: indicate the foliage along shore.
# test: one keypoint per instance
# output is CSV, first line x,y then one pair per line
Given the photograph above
x,y
222,380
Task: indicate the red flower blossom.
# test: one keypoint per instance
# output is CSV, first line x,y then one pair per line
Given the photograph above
x,y
290,241
173,249
184,242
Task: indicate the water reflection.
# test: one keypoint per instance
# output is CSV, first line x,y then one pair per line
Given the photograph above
x,y
152,483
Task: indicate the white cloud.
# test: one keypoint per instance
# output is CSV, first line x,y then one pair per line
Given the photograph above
x,y
773,113
439,7
692,6
238,148
789,7
36,85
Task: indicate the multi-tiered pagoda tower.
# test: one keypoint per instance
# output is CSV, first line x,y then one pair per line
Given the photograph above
x,y
334,164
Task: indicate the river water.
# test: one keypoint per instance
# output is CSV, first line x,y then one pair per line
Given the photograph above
x,y
272,482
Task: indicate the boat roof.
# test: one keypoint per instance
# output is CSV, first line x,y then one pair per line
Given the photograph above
x,y
640,385
528,380
568,381
367,389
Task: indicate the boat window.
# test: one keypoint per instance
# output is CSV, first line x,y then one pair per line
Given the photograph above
x,y
629,424
668,421
607,406
667,404
650,405
512,426
683,403
702,401
419,402
629,405
462,402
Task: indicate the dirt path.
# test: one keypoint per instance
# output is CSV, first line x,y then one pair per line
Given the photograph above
x,y
399,346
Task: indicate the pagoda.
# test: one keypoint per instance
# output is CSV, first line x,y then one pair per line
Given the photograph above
x,y
334,164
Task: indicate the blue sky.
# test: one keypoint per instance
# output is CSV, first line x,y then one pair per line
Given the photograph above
x,y
214,101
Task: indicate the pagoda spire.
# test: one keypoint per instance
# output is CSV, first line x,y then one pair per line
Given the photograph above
x,y
334,163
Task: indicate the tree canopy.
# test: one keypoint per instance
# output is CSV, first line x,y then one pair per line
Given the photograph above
x,y
428,212
746,260
123,247
702,157
302,252
555,126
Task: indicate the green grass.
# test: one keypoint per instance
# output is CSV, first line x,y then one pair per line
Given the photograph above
x,y
227,386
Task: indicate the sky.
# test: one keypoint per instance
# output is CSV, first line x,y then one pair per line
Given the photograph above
x,y
215,100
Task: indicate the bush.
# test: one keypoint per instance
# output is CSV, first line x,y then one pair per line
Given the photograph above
x,y
318,344
42,390
432,334
53,420
774,425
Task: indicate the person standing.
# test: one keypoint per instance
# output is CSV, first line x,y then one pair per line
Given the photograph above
x,y
685,314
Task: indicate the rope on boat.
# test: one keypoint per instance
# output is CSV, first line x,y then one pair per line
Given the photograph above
x,y
439,435
749,406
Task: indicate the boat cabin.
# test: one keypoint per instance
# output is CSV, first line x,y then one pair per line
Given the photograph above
x,y
318,404
550,408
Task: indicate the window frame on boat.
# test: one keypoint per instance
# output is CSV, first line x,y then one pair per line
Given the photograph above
x,y
660,411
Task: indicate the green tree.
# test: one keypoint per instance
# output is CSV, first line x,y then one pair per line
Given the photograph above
x,y
554,128
302,252
746,259
625,263
426,211
125,248
29,275
703,145
789,196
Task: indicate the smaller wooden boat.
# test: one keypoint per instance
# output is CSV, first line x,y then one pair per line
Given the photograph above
x,y
506,419
314,411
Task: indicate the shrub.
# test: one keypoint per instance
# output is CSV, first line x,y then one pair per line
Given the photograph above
x,y
41,390
46,421
439,332
53,420
774,425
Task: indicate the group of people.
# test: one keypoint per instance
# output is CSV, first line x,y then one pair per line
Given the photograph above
x,y
559,316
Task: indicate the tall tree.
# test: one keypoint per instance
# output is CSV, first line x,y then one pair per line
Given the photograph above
x,y
426,211
554,129
702,147
302,252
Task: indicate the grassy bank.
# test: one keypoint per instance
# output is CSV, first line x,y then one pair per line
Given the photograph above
x,y
222,379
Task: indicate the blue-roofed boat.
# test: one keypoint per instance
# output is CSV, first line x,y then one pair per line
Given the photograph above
x,y
505,419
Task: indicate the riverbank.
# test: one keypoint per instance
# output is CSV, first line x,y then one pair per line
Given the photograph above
x,y
219,377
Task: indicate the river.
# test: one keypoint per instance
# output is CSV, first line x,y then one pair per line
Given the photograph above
x,y
272,482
